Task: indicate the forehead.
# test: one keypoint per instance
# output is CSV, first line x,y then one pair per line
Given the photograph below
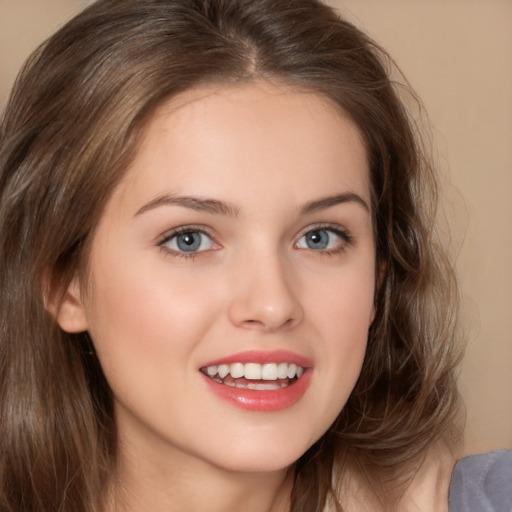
x,y
211,135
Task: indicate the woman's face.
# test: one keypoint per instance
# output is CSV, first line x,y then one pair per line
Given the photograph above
x,y
239,241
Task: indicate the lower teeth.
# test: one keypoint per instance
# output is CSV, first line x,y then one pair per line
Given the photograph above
x,y
255,385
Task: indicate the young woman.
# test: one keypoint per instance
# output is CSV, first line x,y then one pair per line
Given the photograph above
x,y
220,283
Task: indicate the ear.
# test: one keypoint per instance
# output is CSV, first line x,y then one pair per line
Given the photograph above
x,y
69,311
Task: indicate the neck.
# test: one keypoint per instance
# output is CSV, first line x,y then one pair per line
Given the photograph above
x,y
141,486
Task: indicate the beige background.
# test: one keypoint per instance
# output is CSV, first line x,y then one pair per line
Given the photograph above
x,y
458,56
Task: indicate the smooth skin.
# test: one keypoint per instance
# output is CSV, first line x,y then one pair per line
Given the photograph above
x,y
244,223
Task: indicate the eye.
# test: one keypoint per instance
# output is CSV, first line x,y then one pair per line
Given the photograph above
x,y
188,241
323,239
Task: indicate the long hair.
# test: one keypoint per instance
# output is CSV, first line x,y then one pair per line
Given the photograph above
x,y
69,132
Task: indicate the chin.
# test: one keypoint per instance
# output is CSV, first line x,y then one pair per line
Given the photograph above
x,y
262,457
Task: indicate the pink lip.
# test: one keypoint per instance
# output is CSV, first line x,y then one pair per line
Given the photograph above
x,y
268,400
262,357
263,401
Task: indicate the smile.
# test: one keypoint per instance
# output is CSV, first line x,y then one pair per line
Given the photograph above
x,y
259,377
259,381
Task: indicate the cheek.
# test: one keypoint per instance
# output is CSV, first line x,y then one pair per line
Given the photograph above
x,y
341,312
344,306
138,319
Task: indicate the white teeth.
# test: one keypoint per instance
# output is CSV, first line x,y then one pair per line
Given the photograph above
x,y
263,387
223,370
282,371
236,370
252,371
269,371
211,370
255,371
292,369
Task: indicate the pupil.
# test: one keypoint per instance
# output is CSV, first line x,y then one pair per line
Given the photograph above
x,y
317,239
189,241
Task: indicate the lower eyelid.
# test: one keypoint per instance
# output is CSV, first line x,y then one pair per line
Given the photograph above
x,y
345,237
165,241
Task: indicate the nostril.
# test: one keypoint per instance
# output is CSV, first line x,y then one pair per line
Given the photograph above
x,y
289,322
267,304
268,325
253,323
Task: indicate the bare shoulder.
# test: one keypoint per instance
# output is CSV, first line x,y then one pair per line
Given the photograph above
x,y
426,491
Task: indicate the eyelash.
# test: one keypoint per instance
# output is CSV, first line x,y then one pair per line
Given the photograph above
x,y
183,230
344,235
346,238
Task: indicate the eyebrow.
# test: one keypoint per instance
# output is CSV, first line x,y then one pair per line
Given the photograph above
x,y
220,207
328,202
195,203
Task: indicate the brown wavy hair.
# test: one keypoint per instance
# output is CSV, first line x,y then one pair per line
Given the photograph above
x,y
68,134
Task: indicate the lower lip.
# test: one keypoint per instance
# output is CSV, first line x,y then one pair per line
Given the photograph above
x,y
262,401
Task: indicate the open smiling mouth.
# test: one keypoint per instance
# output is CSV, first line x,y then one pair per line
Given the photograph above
x,y
255,376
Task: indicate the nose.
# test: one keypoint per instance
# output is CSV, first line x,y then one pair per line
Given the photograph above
x,y
264,296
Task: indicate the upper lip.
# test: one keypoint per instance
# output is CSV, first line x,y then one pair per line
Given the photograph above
x,y
262,357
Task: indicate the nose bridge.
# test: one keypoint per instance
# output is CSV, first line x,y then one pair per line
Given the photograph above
x,y
264,294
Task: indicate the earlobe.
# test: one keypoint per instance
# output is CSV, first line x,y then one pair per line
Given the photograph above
x,y
69,312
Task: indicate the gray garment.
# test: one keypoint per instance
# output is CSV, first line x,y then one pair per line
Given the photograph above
x,y
482,483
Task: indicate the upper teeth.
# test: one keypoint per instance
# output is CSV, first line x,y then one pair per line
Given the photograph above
x,y
255,371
